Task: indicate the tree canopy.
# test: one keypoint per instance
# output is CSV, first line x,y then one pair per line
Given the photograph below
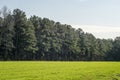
x,y
37,38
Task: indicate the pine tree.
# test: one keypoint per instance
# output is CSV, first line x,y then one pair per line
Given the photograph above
x,y
6,34
25,40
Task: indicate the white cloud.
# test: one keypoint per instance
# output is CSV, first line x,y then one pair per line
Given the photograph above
x,y
100,31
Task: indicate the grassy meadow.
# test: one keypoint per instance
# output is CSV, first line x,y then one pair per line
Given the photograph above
x,y
45,70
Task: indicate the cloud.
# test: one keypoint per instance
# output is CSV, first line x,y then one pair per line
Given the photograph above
x,y
100,31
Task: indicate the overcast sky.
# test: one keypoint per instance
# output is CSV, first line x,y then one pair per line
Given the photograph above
x,y
100,17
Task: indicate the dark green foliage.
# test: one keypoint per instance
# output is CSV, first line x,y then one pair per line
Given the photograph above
x,y
6,34
24,40
116,49
34,38
114,54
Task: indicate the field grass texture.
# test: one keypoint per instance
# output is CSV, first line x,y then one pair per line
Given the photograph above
x,y
45,70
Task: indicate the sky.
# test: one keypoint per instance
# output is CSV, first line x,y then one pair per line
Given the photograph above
x,y
99,17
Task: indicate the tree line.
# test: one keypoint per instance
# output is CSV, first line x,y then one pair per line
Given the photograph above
x,y
37,38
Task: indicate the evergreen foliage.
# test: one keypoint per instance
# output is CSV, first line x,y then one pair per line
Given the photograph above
x,y
36,38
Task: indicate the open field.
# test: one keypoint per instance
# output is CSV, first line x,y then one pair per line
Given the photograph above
x,y
36,70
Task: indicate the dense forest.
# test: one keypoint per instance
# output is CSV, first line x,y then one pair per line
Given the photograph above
x,y
37,38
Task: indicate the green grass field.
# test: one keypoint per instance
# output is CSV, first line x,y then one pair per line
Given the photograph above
x,y
36,70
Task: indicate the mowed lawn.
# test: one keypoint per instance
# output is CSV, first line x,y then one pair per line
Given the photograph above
x,y
45,70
